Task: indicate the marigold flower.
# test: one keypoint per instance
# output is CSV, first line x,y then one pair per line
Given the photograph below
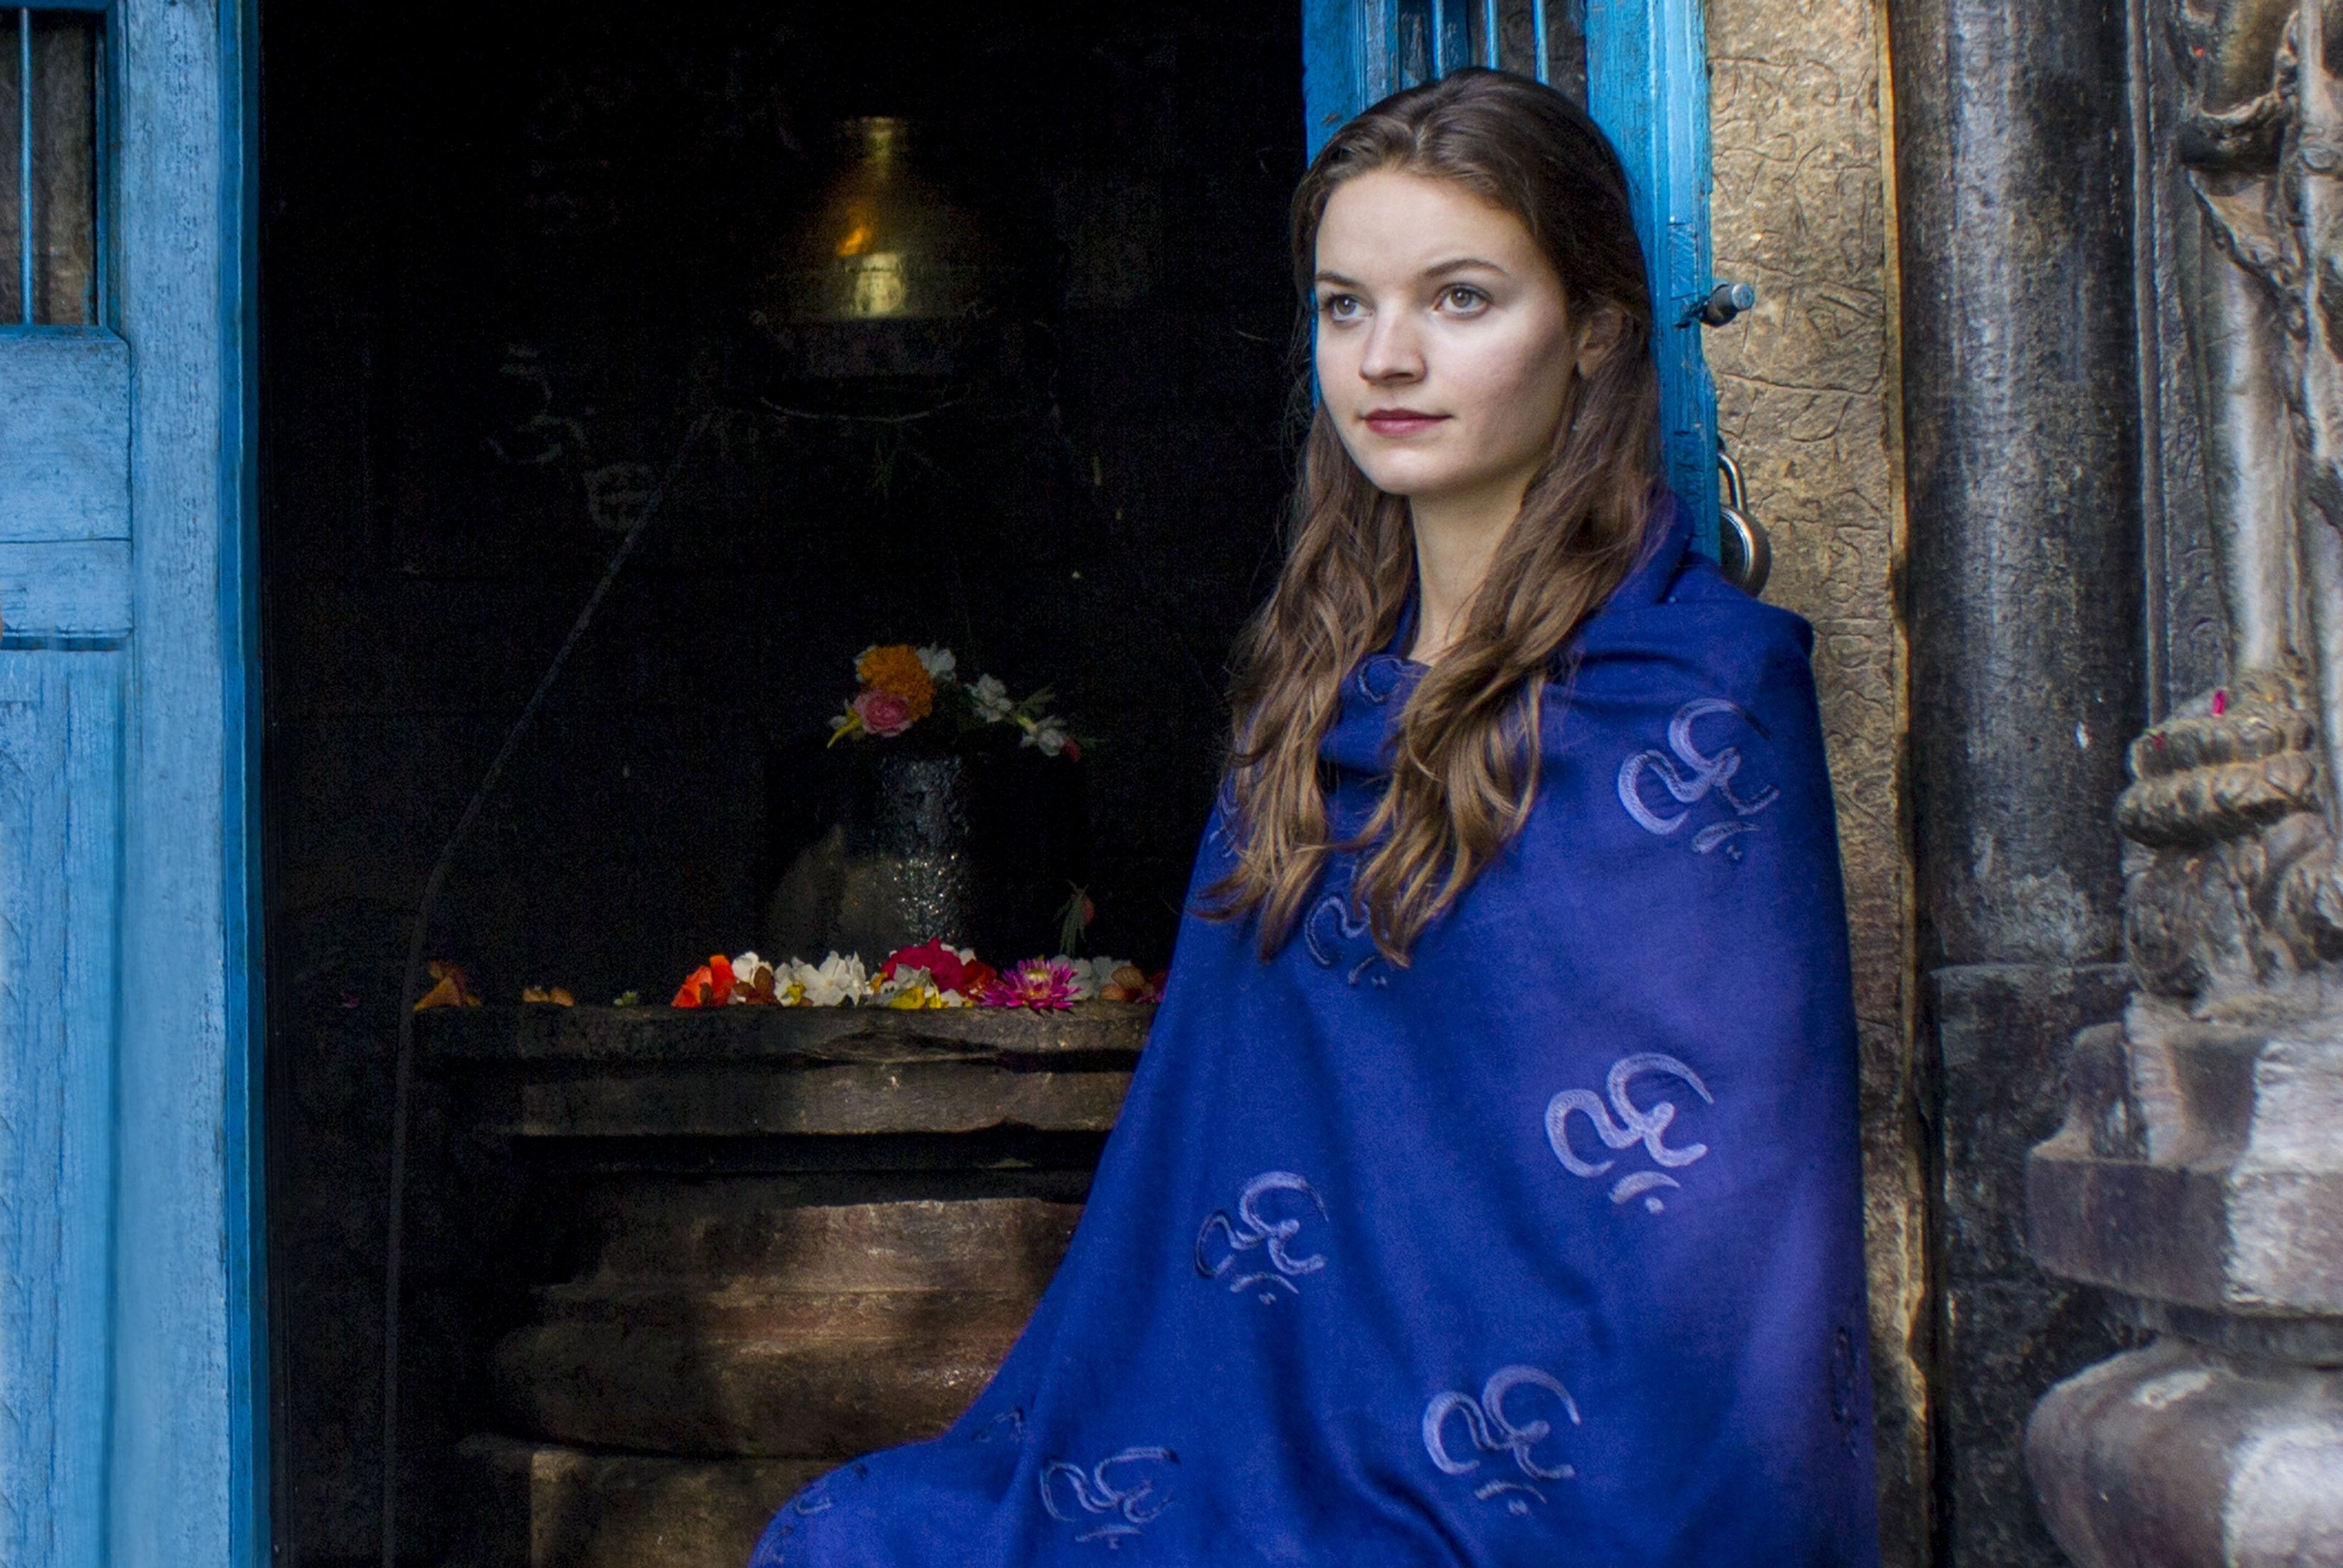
x,y
898,668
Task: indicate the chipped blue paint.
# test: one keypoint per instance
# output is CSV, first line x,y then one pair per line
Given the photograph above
x,y
1647,86
131,1383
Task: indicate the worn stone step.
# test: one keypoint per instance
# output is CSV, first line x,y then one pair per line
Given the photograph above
x,y
773,1375
674,1231
544,1506
889,1323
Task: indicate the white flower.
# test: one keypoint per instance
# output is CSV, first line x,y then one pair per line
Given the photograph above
x,y
908,988
1049,734
1085,983
1091,974
745,967
835,982
939,662
992,699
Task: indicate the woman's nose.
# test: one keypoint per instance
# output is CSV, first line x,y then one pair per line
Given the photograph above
x,y
1394,351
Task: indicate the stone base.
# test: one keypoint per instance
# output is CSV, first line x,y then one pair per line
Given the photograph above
x,y
541,1505
2176,1456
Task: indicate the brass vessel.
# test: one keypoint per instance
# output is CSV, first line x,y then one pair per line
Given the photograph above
x,y
887,270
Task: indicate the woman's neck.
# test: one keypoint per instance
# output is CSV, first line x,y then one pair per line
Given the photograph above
x,y
1456,537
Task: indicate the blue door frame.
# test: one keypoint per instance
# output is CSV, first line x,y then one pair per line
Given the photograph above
x,y
1646,86
132,1430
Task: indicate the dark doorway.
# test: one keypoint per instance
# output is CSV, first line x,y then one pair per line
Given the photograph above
x,y
509,255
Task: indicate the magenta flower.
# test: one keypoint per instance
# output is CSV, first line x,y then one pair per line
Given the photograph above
x,y
882,712
1038,983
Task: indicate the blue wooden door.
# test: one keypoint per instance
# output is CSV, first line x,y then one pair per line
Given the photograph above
x,y
128,1378
1642,67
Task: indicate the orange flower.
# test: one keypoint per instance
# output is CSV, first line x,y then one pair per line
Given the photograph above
x,y
896,668
454,990
710,985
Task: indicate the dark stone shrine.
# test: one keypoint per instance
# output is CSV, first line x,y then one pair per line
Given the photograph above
x,y
509,256
814,1231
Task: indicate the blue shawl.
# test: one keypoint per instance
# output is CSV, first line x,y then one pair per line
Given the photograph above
x,y
1545,1249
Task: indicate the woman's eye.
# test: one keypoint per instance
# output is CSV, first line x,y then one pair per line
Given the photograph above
x,y
1462,300
1341,306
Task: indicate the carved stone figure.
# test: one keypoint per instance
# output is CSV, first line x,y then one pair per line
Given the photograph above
x,y
2199,1175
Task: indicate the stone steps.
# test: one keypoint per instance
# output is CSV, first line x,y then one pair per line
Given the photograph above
x,y
769,1295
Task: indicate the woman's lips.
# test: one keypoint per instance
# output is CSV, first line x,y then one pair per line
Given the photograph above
x,y
1402,421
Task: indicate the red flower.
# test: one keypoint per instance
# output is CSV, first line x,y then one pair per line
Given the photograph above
x,y
883,712
710,985
944,965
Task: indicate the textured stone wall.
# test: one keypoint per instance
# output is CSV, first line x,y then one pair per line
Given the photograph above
x,y
1807,404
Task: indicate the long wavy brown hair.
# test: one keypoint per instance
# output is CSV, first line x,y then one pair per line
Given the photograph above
x,y
1465,768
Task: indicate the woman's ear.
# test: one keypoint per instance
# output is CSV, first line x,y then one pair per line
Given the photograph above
x,y
1598,335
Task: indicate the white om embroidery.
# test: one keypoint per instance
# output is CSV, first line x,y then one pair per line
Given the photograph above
x,y
1249,1230
1699,777
1635,1125
1096,1495
1493,1431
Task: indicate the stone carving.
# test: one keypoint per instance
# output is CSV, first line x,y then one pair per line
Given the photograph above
x,y
2198,1177
2234,890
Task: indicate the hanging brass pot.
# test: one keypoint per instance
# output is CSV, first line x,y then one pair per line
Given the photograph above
x,y
888,272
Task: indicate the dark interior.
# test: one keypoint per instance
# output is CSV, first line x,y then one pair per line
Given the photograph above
x,y
509,256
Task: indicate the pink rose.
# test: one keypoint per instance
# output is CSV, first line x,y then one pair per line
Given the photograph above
x,y
882,712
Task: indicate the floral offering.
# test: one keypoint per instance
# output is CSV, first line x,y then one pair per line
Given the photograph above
x,y
901,685
933,974
1042,984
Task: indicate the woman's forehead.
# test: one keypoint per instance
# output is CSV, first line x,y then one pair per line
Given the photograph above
x,y
1395,224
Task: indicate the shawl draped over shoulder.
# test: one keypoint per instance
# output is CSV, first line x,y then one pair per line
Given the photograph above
x,y
1545,1249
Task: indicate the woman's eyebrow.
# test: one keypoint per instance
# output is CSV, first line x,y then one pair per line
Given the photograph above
x,y
1462,264
1337,279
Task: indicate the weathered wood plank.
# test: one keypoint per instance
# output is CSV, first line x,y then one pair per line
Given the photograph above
x,y
66,589
65,435
186,1483
1647,87
60,842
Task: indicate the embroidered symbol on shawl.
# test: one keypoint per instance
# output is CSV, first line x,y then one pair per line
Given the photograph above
x,y
1333,921
1696,778
1097,1494
1012,1419
1249,1230
1493,1432
1633,1125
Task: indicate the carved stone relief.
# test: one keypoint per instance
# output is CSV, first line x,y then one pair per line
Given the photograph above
x,y
2199,1178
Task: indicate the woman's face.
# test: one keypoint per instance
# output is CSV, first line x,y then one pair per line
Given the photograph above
x,y
1444,346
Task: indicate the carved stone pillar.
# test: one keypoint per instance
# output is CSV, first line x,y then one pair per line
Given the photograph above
x,y
2198,1177
2025,561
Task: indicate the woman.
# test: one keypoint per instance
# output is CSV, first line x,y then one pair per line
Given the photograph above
x,y
1487,1193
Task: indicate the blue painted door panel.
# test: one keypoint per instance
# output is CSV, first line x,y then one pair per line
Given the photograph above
x,y
1646,86
129,1378
60,879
